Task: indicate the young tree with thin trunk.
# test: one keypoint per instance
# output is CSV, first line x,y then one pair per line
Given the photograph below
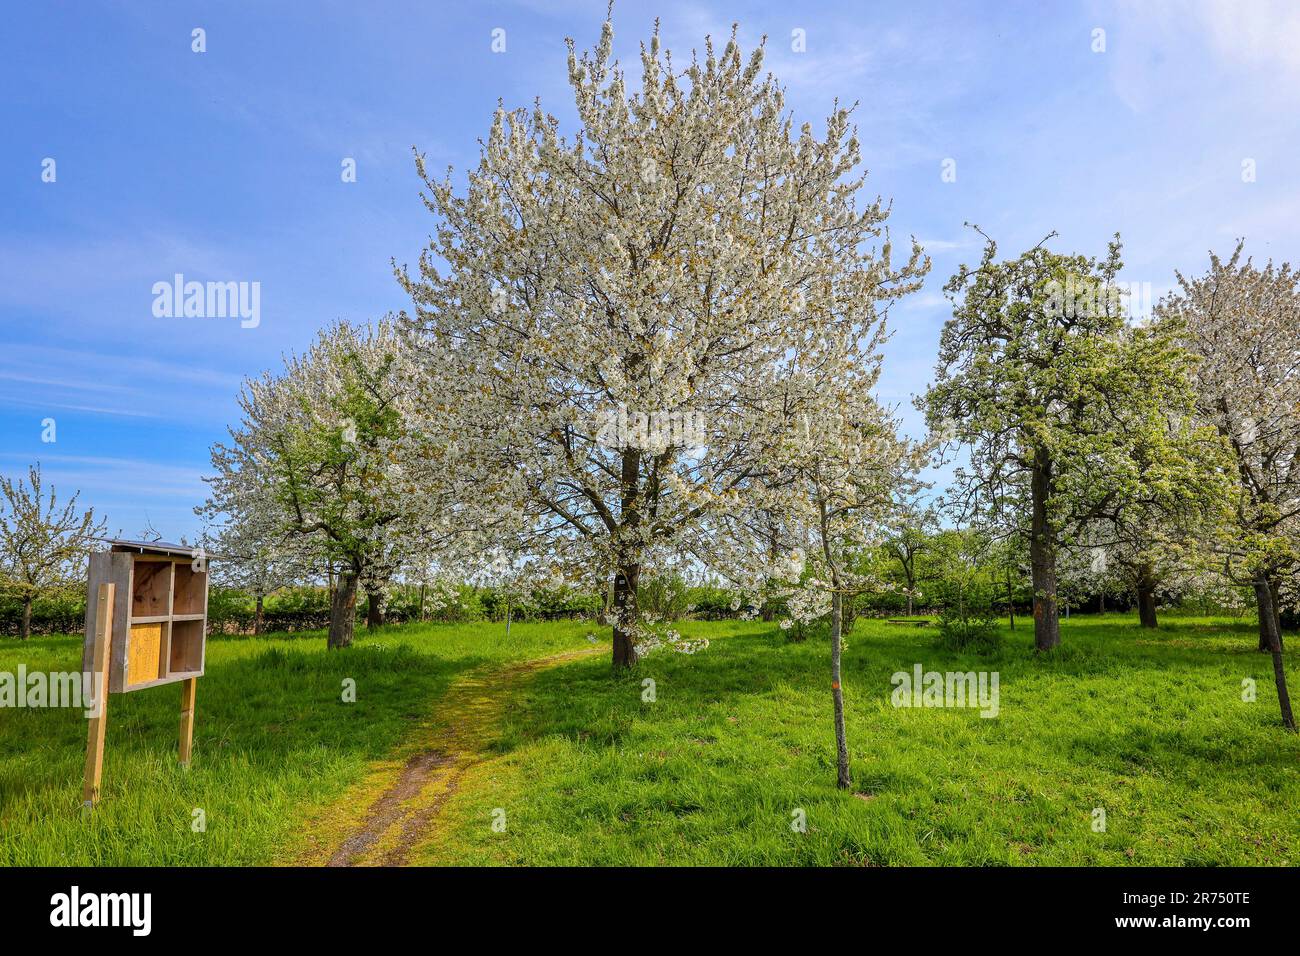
x,y
607,311
840,486
42,544
1047,385
1243,322
827,489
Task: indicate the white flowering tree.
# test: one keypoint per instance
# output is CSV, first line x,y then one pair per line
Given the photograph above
x,y
609,313
842,489
1151,532
1084,569
43,543
324,467
1243,322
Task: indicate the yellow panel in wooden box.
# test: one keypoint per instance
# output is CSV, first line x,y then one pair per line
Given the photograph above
x,y
144,653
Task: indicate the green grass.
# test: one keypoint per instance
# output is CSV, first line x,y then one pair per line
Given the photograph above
x,y
1149,725
272,738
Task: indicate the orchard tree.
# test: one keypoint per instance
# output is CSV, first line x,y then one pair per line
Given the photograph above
x,y
42,544
1049,387
832,480
909,535
320,465
964,579
1153,530
1084,570
1152,552
838,485
1244,324
604,313
508,576
256,558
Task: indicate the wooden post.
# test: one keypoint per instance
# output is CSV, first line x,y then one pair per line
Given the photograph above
x,y
99,716
188,687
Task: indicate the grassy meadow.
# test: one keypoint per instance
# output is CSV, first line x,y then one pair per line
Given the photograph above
x,y
272,737
736,745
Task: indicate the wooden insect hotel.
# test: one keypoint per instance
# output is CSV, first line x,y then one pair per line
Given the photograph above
x,y
146,625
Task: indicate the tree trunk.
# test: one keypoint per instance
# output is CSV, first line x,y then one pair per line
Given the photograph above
x,y
422,586
909,603
1273,585
26,628
628,572
1042,558
841,742
625,611
1011,602
1146,596
374,610
343,611
507,619
259,617
1268,613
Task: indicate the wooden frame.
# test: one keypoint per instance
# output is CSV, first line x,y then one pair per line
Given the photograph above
x,y
103,641
160,615
146,625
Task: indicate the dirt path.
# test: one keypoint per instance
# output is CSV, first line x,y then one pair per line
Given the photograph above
x,y
402,798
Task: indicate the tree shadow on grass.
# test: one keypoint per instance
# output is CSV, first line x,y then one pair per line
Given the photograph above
x,y
1144,749
263,709
586,703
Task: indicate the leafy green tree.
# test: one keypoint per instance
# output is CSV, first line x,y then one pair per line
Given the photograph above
x,y
907,539
1042,378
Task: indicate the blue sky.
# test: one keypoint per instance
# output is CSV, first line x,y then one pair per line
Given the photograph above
x,y
225,165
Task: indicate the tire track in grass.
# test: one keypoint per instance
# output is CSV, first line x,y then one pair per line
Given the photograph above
x,y
403,798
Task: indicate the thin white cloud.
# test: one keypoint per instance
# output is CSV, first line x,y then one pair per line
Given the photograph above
x,y
947,245
1161,50
41,272
133,479
49,405
52,380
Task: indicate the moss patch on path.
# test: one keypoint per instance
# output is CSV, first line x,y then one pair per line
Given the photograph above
x,y
393,811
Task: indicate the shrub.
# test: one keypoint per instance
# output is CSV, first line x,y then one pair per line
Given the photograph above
x,y
967,619
977,631
711,603
60,610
